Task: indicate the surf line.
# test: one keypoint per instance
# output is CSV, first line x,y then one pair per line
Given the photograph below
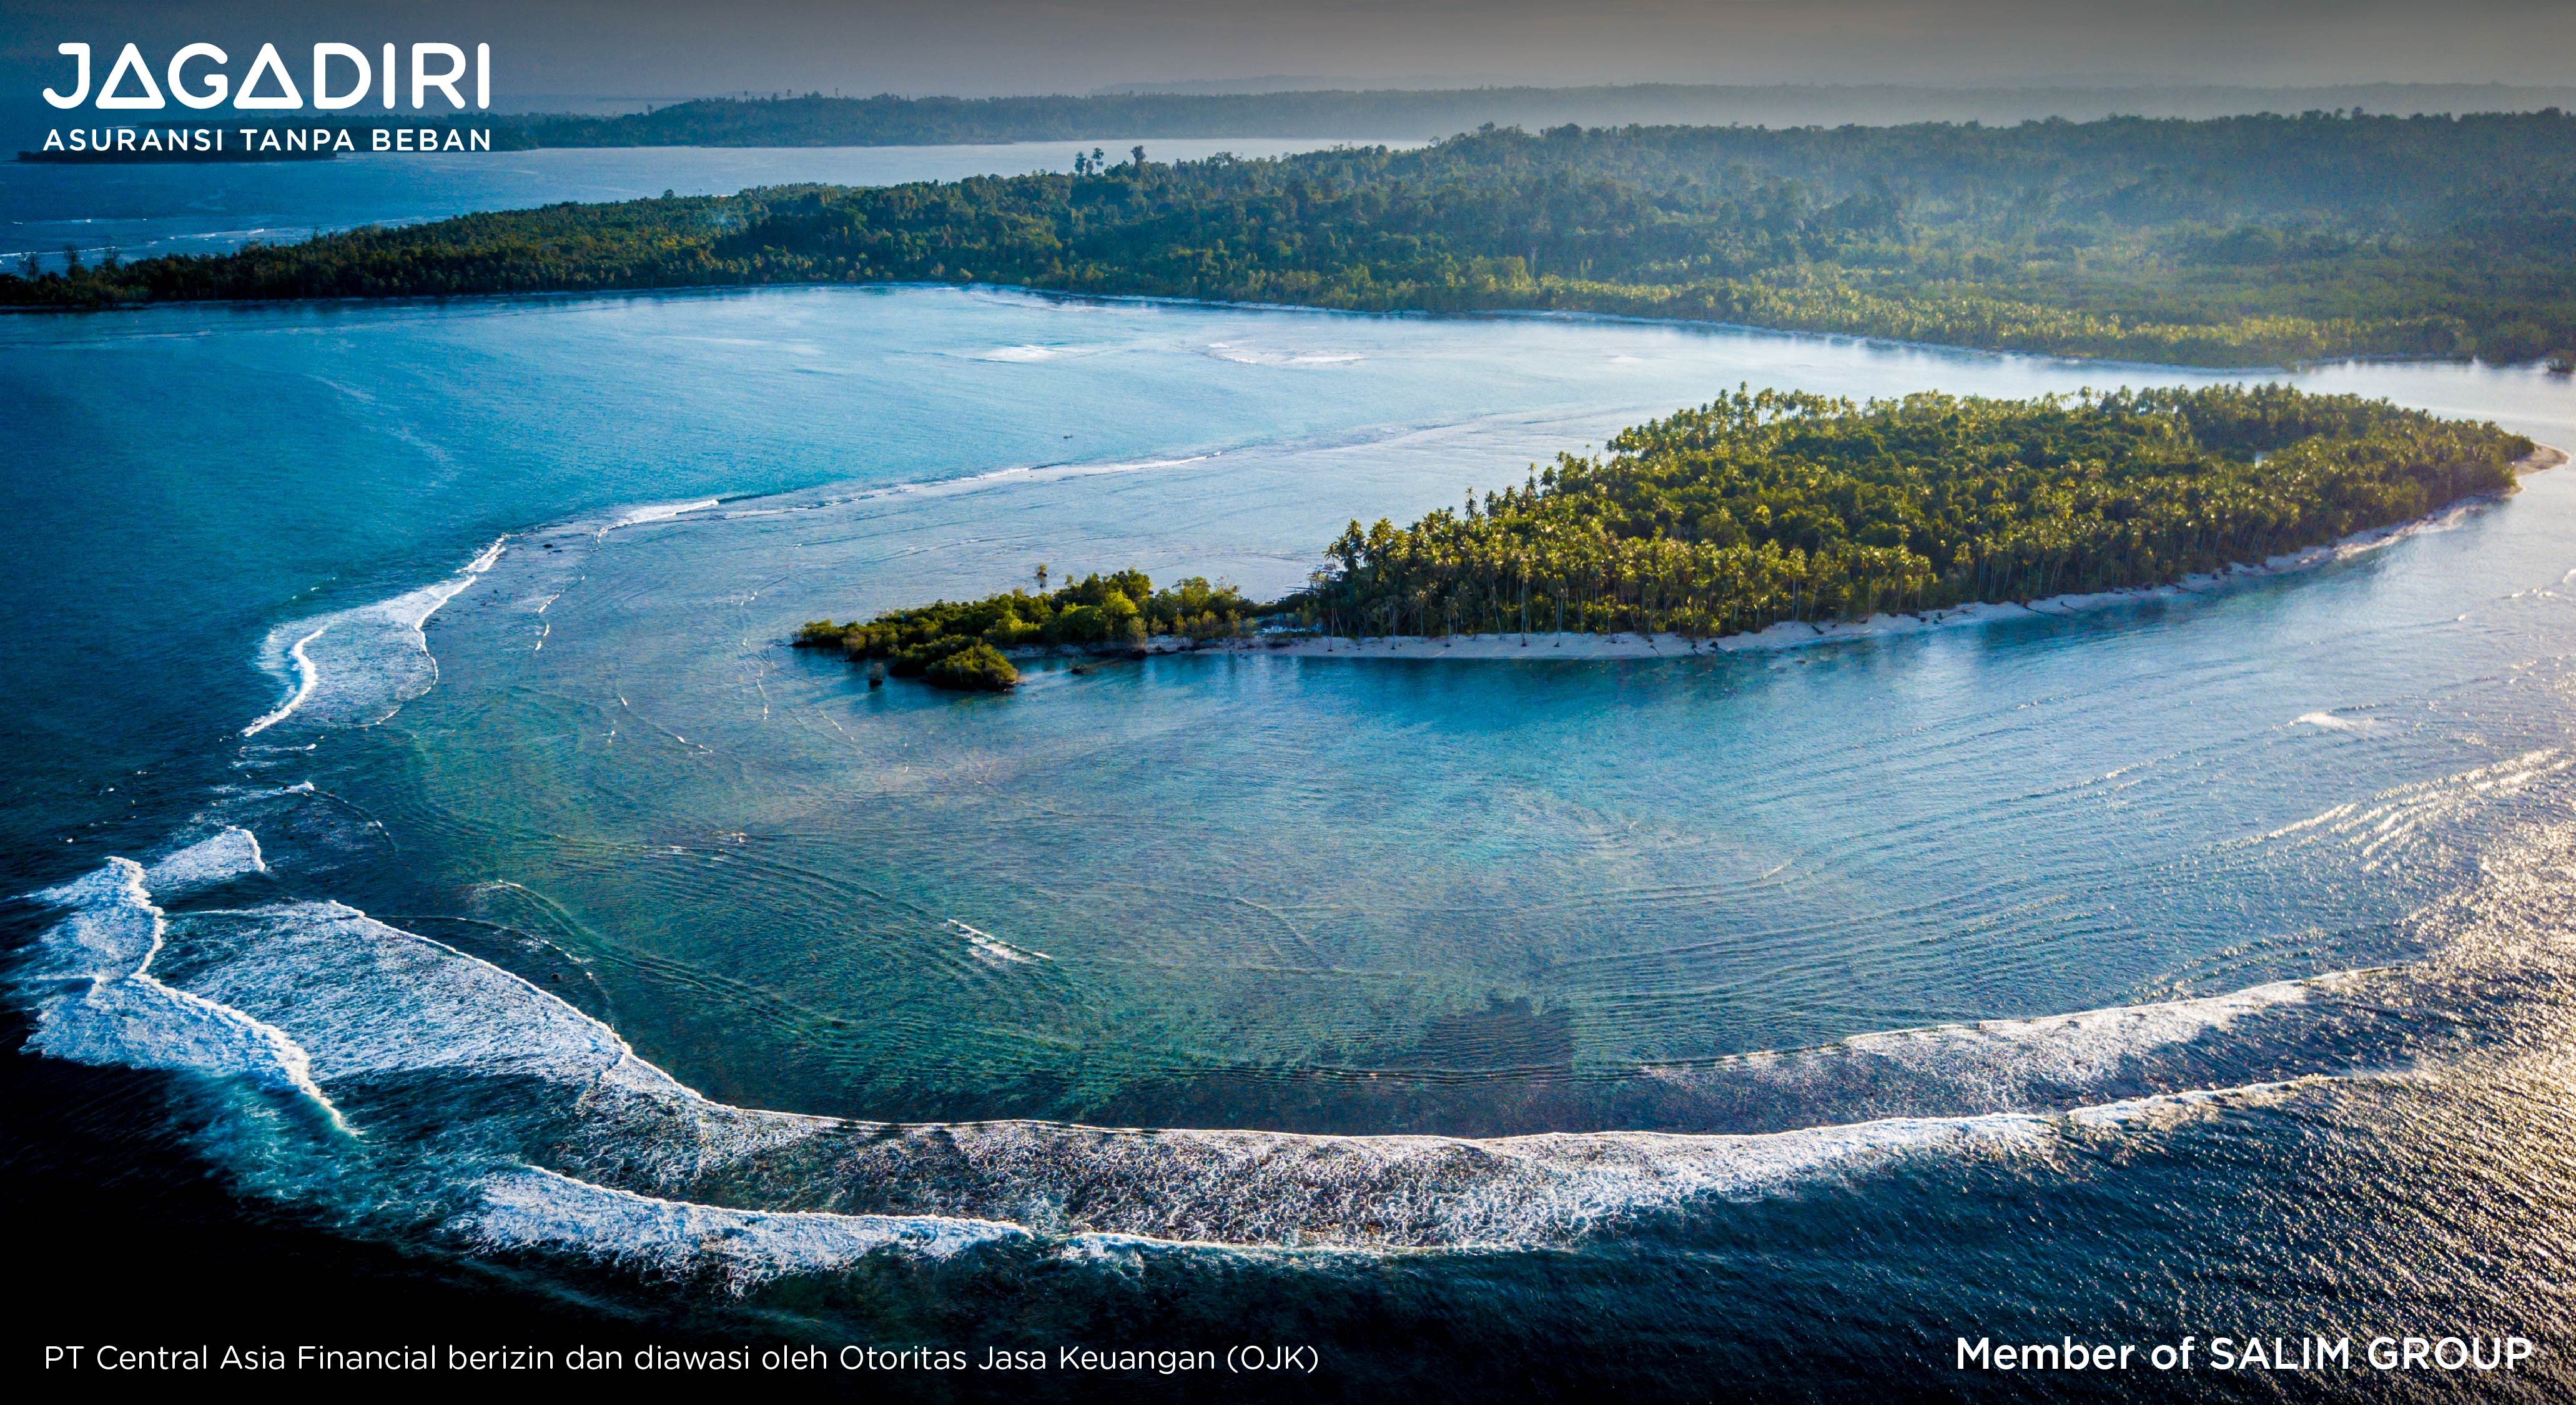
x,y
305,675
309,675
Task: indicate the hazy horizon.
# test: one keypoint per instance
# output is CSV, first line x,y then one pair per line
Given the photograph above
x,y
589,49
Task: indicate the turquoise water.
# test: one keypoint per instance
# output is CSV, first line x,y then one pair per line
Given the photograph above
x,y
2179,921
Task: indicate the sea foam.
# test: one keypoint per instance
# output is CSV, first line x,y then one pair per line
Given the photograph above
x,y
358,666
97,1002
1990,1064
625,1158
229,853
564,1139
539,1209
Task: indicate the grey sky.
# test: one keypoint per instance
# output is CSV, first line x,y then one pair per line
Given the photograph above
x,y
1026,46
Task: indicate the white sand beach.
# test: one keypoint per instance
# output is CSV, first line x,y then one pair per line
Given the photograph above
x,y
1794,635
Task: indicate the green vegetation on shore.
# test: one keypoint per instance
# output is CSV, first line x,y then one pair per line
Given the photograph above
x,y
813,119
960,645
2238,241
1772,506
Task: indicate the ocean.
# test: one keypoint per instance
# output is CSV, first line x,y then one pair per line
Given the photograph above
x,y
450,908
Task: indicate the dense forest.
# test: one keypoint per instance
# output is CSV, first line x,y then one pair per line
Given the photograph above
x,y
1771,506
960,645
2242,241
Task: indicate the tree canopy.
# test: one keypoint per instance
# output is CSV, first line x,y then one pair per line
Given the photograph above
x,y
958,645
2238,241
1767,506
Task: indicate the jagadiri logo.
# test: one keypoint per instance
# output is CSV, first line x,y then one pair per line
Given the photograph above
x,y
197,78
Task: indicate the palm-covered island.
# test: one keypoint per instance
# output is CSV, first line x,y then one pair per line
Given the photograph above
x,y
1771,506
2234,241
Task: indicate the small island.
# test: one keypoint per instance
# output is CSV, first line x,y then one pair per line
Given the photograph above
x,y
961,645
1772,506
1765,508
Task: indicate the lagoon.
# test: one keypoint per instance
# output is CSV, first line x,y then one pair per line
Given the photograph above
x,y
1910,929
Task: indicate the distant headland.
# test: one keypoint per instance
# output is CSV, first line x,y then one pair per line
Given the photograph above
x,y
2237,242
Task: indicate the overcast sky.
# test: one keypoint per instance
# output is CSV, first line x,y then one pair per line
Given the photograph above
x,y
656,48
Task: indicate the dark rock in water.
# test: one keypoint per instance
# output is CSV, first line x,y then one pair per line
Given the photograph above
x,y
1078,670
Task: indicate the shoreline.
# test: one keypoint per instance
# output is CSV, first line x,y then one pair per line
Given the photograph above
x,y
1790,634
1567,314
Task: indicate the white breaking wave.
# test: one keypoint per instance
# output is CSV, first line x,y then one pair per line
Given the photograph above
x,y
230,853
1037,473
111,928
1265,1191
658,512
974,482
321,998
991,949
365,998
358,666
97,1002
2006,1063
1029,353
1254,357
532,1208
305,676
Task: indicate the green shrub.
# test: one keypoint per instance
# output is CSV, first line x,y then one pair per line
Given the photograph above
x,y
1114,611
976,668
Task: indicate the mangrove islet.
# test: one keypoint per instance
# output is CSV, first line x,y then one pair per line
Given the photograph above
x,y
960,645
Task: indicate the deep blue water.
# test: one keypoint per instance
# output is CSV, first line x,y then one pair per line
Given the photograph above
x,y
2196,966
